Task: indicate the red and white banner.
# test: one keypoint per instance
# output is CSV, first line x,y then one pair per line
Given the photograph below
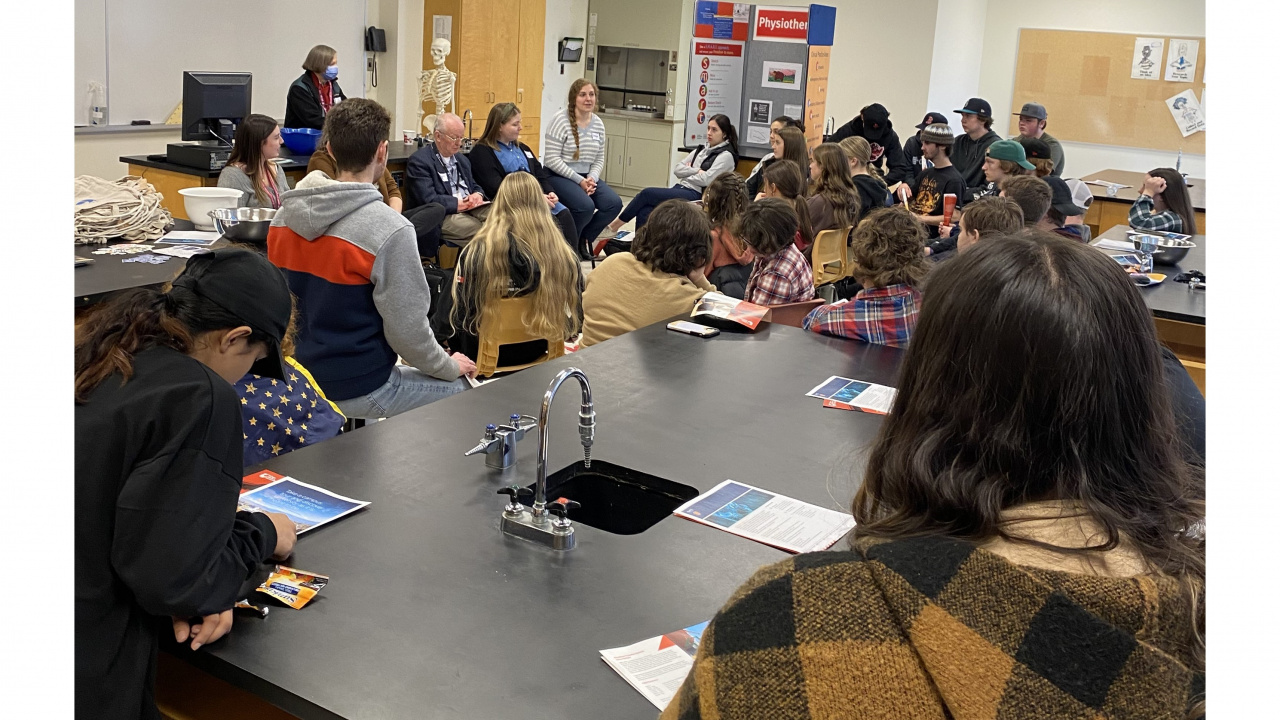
x,y
715,86
781,24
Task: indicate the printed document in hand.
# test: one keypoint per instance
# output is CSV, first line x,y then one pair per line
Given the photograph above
x,y
657,666
769,518
846,394
307,506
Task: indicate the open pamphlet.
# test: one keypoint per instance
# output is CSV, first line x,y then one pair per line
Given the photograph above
x,y
307,506
657,666
783,522
846,394
716,309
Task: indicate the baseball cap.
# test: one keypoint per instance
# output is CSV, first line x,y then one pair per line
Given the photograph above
x,y
1009,150
938,134
1035,148
1080,193
932,118
875,118
976,106
1062,197
248,286
1035,110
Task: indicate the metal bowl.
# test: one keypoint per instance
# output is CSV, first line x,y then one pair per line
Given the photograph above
x,y
1171,251
243,224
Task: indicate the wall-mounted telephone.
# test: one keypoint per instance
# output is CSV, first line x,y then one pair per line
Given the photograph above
x,y
375,41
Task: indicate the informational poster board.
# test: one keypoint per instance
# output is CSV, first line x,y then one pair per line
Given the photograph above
x,y
815,95
721,20
715,86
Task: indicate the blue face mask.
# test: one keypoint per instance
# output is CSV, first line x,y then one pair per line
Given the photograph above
x,y
331,72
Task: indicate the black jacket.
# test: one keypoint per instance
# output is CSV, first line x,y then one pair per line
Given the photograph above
x,y
303,108
915,157
158,465
426,179
872,194
756,180
489,173
968,155
886,149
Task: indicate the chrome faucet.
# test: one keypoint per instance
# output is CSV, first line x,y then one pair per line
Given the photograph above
x,y
586,429
499,441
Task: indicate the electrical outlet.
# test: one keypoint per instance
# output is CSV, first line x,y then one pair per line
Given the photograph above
x,y
368,63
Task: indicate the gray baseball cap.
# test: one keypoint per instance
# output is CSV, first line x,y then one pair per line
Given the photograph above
x,y
1035,110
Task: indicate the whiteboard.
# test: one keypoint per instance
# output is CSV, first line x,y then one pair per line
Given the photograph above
x,y
140,49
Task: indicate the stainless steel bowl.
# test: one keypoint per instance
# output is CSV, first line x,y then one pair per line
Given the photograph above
x,y
243,224
1171,251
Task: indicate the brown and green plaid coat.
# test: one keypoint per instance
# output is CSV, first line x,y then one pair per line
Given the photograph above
x,y
938,628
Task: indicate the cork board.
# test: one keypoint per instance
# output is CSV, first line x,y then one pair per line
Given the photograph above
x,y
1083,78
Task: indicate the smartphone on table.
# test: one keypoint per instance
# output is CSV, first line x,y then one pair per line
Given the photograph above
x,y
692,328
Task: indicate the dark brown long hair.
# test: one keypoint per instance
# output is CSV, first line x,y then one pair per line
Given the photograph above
x,y
1177,197
794,148
1035,374
247,150
788,179
836,184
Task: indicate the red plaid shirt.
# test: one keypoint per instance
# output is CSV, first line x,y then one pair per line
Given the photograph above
x,y
784,278
883,316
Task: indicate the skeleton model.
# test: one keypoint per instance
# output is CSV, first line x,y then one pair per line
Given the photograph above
x,y
436,85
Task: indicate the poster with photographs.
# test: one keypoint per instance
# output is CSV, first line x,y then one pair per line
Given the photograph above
x,y
1181,66
1147,54
1186,112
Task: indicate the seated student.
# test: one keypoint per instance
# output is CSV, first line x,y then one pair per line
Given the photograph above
x,y
731,259
872,192
1007,548
781,274
519,252
353,264
778,150
833,200
573,148
159,546
1032,120
1082,198
1005,159
321,160
1038,154
985,218
499,152
1032,194
970,149
1163,205
439,173
661,277
251,169
889,264
787,144
872,123
911,148
1060,208
694,173
928,195
784,180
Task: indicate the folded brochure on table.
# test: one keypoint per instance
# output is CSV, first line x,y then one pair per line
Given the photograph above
x,y
716,309
766,517
847,394
307,506
657,666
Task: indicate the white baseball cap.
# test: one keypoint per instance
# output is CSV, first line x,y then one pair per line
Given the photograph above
x,y
1080,194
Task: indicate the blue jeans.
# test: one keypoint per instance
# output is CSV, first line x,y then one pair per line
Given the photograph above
x,y
591,213
649,198
406,389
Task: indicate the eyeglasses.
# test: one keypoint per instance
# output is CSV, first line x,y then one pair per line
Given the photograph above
x,y
448,137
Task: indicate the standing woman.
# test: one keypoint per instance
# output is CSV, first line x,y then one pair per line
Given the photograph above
x,y
313,94
833,201
159,545
1163,204
573,149
251,168
785,181
872,192
499,153
775,152
693,174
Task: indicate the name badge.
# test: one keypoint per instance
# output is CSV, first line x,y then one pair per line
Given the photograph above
x,y
528,154
444,176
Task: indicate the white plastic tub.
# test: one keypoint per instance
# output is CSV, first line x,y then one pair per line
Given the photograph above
x,y
200,201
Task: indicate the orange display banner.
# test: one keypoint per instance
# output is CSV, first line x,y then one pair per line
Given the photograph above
x,y
815,95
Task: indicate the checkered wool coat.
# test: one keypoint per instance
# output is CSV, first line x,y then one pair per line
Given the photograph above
x,y
938,628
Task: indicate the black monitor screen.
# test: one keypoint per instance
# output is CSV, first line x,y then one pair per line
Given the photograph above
x,y
208,97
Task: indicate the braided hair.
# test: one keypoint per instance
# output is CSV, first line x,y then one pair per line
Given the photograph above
x,y
574,89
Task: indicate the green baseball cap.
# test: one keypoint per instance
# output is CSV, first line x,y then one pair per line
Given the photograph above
x,y
1010,150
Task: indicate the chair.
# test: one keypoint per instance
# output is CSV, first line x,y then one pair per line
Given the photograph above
x,y
510,330
829,259
792,314
447,256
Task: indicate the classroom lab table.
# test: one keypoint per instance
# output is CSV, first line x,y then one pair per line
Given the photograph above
x,y
431,612
168,178
1107,211
109,274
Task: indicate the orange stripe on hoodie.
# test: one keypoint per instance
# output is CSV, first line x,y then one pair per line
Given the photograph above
x,y
327,257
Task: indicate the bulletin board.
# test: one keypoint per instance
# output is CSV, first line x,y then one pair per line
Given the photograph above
x,y
1083,79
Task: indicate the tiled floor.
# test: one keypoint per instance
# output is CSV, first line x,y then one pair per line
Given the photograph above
x,y
586,264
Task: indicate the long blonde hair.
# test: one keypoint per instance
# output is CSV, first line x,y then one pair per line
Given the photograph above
x,y
857,147
519,215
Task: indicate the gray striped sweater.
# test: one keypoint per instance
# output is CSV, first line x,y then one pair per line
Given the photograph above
x,y
558,148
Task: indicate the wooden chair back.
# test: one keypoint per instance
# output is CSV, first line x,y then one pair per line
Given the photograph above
x,y
829,259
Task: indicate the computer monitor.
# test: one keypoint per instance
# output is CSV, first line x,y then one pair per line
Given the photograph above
x,y
214,103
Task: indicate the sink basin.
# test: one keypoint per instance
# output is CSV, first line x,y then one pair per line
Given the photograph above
x,y
614,498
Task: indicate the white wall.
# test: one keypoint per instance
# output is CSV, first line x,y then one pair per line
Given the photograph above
x,y
957,58
385,14
99,155
1168,18
565,18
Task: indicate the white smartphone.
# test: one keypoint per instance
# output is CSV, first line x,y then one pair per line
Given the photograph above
x,y
692,328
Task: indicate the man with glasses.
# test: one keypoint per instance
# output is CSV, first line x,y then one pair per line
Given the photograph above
x,y
439,173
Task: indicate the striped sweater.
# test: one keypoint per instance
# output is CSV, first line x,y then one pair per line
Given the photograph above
x,y
558,148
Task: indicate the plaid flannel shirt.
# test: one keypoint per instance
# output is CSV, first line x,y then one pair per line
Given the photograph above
x,y
884,316
935,627
1142,216
784,278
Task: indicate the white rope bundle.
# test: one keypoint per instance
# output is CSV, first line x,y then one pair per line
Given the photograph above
x,y
128,208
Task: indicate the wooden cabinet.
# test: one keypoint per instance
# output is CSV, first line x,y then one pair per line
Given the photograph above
x,y
497,50
637,153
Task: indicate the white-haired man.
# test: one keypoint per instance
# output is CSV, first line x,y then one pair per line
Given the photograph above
x,y
439,173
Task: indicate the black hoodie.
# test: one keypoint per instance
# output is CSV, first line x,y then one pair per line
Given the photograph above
x,y
886,149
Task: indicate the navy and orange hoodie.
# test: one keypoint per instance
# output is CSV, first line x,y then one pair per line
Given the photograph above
x,y
363,299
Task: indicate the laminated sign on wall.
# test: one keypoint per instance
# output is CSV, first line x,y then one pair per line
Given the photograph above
x,y
715,86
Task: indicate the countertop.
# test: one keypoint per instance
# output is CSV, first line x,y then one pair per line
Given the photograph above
x,y
397,153
1171,300
109,274
1195,187
431,612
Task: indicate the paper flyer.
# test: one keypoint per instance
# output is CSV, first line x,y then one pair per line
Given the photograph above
x,y
783,522
761,111
1186,112
657,666
1147,54
258,479
723,307
782,76
757,135
1181,66
307,506
847,394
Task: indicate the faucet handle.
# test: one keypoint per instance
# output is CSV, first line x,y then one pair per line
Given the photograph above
x,y
514,492
560,508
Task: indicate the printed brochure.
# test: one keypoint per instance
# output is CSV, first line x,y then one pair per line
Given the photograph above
x,y
307,506
657,666
847,394
769,518
713,306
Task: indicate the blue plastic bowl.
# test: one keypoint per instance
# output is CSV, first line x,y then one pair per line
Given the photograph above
x,y
300,141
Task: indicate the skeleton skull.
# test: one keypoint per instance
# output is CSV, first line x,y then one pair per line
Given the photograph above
x,y
440,49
